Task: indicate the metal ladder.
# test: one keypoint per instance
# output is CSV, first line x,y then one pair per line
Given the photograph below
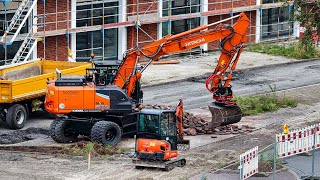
x,y
18,21
26,49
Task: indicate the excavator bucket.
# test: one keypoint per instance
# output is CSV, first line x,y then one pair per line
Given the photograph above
x,y
226,115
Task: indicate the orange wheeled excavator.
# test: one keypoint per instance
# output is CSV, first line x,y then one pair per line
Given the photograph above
x,y
105,104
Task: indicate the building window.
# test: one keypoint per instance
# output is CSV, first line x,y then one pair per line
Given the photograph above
x,y
10,15
102,43
276,22
272,1
180,7
12,49
180,26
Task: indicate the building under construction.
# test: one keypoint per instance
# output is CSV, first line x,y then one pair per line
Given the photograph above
x,y
74,29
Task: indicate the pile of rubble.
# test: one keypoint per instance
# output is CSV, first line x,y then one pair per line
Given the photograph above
x,y
196,125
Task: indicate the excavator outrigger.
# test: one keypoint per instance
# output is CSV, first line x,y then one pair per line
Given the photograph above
x,y
105,104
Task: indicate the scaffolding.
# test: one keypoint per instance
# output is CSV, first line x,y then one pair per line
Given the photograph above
x,y
134,17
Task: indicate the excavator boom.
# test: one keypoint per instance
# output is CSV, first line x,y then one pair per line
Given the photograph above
x,y
232,38
218,83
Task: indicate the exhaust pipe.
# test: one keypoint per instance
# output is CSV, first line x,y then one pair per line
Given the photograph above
x,y
58,74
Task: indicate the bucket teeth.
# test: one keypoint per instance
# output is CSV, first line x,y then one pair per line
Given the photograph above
x,y
222,116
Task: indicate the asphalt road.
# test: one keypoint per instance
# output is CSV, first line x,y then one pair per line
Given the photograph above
x,y
304,167
247,82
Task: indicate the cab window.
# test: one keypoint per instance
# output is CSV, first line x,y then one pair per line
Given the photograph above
x,y
148,123
168,126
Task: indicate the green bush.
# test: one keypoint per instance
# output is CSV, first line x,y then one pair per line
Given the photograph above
x,y
294,50
253,105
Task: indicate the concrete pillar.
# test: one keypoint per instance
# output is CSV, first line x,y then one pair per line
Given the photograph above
x,y
122,31
204,20
258,23
296,25
34,24
296,29
74,25
159,27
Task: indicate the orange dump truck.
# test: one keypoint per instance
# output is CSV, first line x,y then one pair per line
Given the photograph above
x,y
23,86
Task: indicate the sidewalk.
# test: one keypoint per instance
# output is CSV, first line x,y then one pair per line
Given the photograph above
x,y
201,64
302,165
282,175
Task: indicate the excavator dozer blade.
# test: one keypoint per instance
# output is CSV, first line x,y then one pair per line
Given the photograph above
x,y
183,145
225,115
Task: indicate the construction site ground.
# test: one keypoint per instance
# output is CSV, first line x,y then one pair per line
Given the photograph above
x,y
165,84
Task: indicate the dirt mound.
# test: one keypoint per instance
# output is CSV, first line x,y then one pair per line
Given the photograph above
x,y
18,136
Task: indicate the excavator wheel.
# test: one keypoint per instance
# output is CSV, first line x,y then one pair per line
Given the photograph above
x,y
106,133
224,115
62,132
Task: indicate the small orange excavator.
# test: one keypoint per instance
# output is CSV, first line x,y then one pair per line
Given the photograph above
x,y
105,104
157,138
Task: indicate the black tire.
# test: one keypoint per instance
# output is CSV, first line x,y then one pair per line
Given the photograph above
x,y
62,132
106,133
3,116
51,116
16,116
52,129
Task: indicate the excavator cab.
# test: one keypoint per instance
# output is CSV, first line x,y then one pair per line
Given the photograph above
x,y
102,74
157,140
156,127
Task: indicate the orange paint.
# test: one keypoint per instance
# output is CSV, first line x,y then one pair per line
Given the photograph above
x,y
152,146
66,99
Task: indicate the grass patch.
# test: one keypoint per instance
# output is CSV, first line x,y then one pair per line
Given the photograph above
x,y
82,148
294,50
253,105
266,163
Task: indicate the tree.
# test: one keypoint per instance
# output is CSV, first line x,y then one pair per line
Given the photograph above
x,y
307,12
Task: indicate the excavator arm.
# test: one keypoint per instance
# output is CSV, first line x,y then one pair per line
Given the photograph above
x,y
232,40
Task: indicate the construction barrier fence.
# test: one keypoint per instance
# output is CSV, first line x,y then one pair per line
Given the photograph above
x,y
297,142
249,162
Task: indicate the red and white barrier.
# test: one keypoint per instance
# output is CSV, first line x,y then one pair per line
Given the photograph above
x,y
250,162
297,141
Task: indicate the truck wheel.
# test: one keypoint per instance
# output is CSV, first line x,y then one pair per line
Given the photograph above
x,y
106,133
3,116
16,116
51,116
62,132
